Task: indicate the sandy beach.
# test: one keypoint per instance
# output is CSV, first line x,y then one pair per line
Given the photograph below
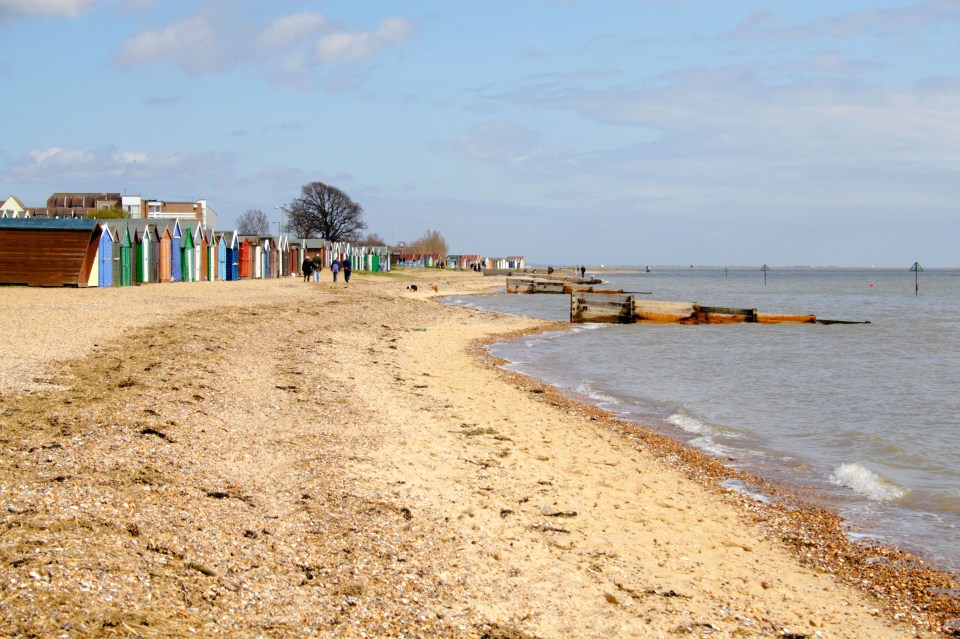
x,y
281,459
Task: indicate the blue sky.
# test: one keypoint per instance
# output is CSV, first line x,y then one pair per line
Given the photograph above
x,y
659,132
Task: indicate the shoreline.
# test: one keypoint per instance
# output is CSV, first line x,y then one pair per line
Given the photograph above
x,y
401,484
814,534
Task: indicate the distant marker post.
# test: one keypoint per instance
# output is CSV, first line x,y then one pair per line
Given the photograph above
x,y
764,268
917,269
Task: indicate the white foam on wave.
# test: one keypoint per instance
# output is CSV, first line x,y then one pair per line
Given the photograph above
x,y
864,481
738,485
689,424
592,326
709,445
586,388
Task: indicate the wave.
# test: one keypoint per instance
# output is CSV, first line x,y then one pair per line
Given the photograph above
x,y
738,485
586,388
708,444
690,424
865,482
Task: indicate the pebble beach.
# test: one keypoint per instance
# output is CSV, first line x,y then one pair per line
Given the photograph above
x,y
274,458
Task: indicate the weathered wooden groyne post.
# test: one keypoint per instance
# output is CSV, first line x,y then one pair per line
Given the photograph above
x,y
601,307
556,286
628,309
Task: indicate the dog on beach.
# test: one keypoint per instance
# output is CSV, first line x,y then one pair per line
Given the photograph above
x,y
412,287
436,289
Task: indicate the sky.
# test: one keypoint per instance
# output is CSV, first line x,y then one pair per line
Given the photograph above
x,y
661,132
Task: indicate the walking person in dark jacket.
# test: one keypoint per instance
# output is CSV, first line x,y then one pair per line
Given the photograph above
x,y
346,270
307,268
335,267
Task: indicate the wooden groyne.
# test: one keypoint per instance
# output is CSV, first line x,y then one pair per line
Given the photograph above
x,y
555,286
628,309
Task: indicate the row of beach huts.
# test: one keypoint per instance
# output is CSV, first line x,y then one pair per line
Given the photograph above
x,y
123,252
127,252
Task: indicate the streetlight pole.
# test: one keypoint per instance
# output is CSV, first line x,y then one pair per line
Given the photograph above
x,y
282,210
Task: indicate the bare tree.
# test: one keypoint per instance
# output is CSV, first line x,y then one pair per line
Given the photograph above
x,y
373,239
430,243
253,222
326,211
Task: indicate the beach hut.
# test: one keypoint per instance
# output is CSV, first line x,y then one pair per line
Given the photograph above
x,y
117,255
211,260
221,256
207,272
165,237
265,254
187,261
256,258
141,241
296,256
176,252
127,251
197,231
287,256
153,234
233,256
244,259
105,255
48,252
276,263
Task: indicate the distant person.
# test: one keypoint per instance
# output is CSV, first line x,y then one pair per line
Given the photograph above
x,y
317,267
346,270
306,268
549,270
335,267
583,271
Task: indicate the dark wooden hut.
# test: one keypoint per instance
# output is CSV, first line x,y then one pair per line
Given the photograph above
x,y
48,252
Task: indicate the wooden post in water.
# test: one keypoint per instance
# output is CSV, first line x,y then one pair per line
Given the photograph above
x,y
917,269
601,307
764,268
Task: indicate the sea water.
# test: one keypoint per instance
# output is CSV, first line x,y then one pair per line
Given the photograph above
x,y
866,416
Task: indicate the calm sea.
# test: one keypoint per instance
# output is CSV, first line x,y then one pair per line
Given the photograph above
x,y
866,415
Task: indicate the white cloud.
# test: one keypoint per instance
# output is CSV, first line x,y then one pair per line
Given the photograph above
x,y
742,141
170,172
499,143
355,46
912,17
193,44
46,8
287,49
290,30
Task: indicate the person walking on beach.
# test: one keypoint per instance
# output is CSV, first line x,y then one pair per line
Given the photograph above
x,y
307,268
317,267
335,267
346,270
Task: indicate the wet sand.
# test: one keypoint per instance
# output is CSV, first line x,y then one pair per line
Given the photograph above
x,y
274,458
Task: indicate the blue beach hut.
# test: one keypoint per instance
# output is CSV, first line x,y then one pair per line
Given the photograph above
x,y
105,257
233,256
176,257
221,257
